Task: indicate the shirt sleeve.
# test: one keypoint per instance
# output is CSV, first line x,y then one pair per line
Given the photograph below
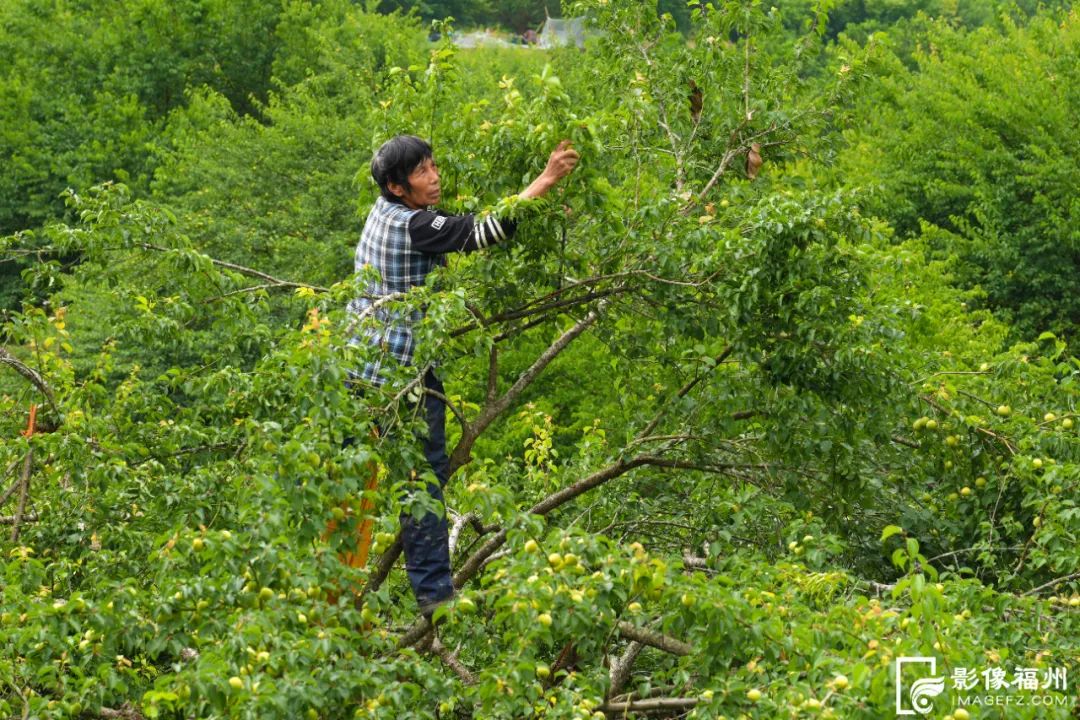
x,y
437,233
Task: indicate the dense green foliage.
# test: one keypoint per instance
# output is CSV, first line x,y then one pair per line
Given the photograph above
x,y
796,426
975,149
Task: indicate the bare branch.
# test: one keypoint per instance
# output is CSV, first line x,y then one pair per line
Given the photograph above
x,y
730,154
1052,583
356,320
416,633
620,668
652,705
477,560
27,518
746,78
951,553
703,467
493,374
566,494
673,139
904,441
879,588
6,358
24,490
505,552
654,639
451,660
382,569
694,562
127,711
681,394
453,408
459,524
250,272
920,381
14,485
462,453
533,309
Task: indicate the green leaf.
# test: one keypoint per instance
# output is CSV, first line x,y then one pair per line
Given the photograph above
x,y
889,531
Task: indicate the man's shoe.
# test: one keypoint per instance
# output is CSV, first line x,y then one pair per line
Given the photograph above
x,y
428,608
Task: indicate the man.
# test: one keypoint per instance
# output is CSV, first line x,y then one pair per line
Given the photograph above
x,y
405,238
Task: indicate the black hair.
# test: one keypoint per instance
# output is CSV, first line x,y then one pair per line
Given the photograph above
x,y
395,160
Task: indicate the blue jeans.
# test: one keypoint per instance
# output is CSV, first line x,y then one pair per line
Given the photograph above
x,y
427,540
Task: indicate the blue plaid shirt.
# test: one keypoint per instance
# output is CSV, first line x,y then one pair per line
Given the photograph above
x,y
404,245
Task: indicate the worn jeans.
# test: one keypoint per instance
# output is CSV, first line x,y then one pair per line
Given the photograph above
x,y
427,540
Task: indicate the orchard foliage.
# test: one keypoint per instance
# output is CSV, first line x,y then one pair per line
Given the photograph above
x,y
973,149
724,446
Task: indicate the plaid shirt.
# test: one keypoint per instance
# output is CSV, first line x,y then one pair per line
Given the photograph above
x,y
404,245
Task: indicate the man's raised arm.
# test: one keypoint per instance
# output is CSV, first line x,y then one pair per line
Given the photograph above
x,y
438,233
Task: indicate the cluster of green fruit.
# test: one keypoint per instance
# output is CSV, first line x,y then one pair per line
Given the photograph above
x,y
1066,422
799,548
925,423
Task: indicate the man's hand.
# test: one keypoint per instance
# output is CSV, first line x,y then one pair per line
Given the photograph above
x,y
562,161
559,165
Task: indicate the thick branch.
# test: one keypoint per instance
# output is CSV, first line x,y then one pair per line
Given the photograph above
x,y
382,569
476,561
471,432
451,660
899,440
28,518
620,668
127,711
417,632
6,358
654,639
565,495
459,524
462,453
546,505
651,705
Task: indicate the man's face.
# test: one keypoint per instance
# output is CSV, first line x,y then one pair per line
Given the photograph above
x,y
424,186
